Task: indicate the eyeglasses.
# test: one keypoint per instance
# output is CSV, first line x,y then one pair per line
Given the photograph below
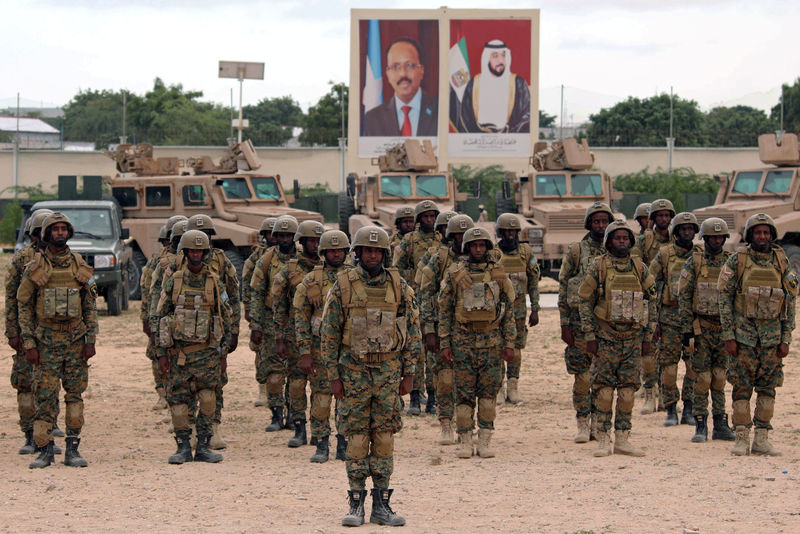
x,y
397,67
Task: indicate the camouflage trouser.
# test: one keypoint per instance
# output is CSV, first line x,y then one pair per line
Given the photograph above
x,y
478,375
760,369
60,359
196,381
223,381
670,352
159,378
369,416
297,380
22,381
579,364
616,366
445,388
710,363
520,313
270,367
321,397
425,364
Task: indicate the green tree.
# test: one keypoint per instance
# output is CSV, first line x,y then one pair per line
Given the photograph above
x,y
272,120
737,126
323,123
10,223
491,178
791,107
664,184
545,119
95,116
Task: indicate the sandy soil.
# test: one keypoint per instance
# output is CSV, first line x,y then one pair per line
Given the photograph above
x,y
540,480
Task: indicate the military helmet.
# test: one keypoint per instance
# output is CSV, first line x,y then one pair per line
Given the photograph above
x,y
172,220
660,205
596,207
642,210
683,217
37,218
195,240
476,233
422,207
309,229
267,225
371,236
179,228
507,221
618,224
163,233
285,224
714,226
202,222
402,212
333,240
26,231
458,225
444,217
53,218
756,220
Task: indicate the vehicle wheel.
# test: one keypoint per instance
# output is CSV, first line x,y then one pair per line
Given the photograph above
x,y
237,260
114,299
346,209
135,274
503,205
793,253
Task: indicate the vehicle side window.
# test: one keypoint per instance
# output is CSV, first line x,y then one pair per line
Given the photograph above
x,y
157,196
194,195
551,185
126,196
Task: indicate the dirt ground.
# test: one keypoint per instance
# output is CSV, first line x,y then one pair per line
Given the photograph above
x,y
540,480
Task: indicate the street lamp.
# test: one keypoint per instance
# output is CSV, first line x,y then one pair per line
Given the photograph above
x,y
241,70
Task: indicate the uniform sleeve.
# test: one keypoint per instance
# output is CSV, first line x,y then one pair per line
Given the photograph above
x,y
402,259
144,288
653,298
247,276
331,331
89,310
413,345
787,322
534,275
302,318
231,282
26,303
427,295
280,302
656,270
686,295
447,302
164,308
227,318
588,296
13,279
508,326
567,271
155,295
258,296
728,279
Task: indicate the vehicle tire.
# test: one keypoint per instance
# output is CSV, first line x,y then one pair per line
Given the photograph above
x,y
503,205
135,275
237,260
793,254
346,209
114,299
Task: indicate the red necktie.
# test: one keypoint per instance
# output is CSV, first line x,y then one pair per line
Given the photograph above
x,y
405,131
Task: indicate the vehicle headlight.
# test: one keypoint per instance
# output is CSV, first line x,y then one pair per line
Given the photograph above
x,y
536,233
102,261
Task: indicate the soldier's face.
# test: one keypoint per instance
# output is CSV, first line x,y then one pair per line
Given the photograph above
x,y
477,250
371,258
686,233
761,237
405,225
620,243
662,218
458,239
194,256
644,223
427,220
598,222
508,235
59,232
271,241
311,246
285,241
714,242
335,257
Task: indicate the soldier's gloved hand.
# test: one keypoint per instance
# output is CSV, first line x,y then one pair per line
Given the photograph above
x,y
567,336
223,363
731,347
591,347
508,354
32,355
15,342
234,342
687,338
88,351
431,342
446,354
247,314
533,320
307,364
337,388
255,337
146,327
280,348
163,364
406,385
783,350
657,333
645,348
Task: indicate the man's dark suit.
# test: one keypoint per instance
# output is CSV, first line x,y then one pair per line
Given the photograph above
x,y
382,120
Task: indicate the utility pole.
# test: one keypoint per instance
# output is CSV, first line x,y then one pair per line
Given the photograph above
x,y
670,139
342,140
16,153
124,138
561,129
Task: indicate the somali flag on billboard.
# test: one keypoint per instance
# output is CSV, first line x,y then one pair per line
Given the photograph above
x,y
373,73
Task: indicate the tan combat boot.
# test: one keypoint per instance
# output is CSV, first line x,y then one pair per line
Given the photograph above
x,y
742,445
659,400
465,448
262,396
603,444
513,392
593,427
501,395
161,403
761,444
446,437
649,405
583,430
216,442
484,440
623,446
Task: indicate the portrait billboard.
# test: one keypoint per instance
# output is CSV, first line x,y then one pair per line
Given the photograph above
x,y
398,83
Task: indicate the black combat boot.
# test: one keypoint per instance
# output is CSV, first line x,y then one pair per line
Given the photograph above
x,y
184,452
355,517
413,406
321,456
30,445
672,416
277,420
341,447
72,457
382,513
202,453
287,424
430,405
57,432
45,457
299,437
313,441
686,415
721,429
701,429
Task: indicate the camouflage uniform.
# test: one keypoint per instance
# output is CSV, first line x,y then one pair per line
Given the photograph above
x,y
145,283
648,244
247,275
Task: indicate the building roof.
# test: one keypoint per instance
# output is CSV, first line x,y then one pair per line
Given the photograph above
x,y
26,124
37,112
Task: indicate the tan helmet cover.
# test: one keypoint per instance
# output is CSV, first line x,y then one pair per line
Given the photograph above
x,y
285,224
422,207
195,240
476,233
683,217
756,220
459,224
402,212
53,218
309,229
642,210
660,205
714,226
202,222
444,217
596,207
619,224
333,240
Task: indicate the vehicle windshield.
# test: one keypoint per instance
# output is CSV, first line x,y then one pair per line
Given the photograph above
x,y
91,223
266,188
432,186
235,188
587,185
396,186
548,185
746,182
777,181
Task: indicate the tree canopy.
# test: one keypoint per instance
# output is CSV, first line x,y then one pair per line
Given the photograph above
x,y
323,123
791,107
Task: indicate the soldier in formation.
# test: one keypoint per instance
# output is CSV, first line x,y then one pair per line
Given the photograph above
x,y
145,280
403,223
642,216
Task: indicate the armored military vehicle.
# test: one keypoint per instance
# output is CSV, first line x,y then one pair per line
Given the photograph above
x,y
150,190
774,190
553,197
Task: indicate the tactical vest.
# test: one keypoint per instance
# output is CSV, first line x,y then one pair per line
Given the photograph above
x,y
651,245
316,292
272,264
582,255
419,247
195,320
516,267
761,294
478,296
706,292
59,298
622,299
372,330
671,273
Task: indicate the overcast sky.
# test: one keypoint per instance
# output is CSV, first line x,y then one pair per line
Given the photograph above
x,y
711,51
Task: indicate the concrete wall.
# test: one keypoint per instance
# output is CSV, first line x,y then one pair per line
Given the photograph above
x,y
322,165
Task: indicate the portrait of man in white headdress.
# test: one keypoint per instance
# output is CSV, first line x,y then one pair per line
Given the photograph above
x,y
496,100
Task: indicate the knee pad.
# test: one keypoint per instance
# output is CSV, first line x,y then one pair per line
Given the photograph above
x,y
648,364
73,415
718,377
669,375
464,415
321,406
582,384
41,432
180,417
357,446
487,409
741,412
445,381
517,356
25,405
765,407
625,400
604,398
690,374
207,399
275,383
382,444
297,388
703,382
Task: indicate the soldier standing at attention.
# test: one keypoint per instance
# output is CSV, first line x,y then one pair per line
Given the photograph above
x,y
406,259
476,329
270,367
195,321
642,216
370,341
666,270
167,259
523,271
283,290
433,272
404,223
309,300
699,317
58,323
573,269
145,280
615,295
758,289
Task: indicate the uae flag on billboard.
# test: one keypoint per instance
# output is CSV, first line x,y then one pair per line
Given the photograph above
x,y
459,75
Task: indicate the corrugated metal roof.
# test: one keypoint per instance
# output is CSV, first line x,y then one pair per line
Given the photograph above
x,y
26,124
